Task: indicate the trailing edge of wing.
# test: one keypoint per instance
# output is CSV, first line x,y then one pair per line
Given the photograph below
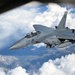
x,y
63,21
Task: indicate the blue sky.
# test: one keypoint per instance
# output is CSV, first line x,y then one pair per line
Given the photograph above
x,y
16,23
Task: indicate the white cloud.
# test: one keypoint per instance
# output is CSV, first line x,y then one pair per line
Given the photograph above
x,y
63,66
53,14
56,8
7,59
39,45
18,71
50,69
16,21
2,71
59,66
33,4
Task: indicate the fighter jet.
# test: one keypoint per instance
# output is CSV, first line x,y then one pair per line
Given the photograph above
x,y
59,37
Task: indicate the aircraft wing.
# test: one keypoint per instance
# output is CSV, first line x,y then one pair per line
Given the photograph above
x,y
42,28
66,37
65,34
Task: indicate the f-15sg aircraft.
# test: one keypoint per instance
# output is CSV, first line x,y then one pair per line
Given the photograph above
x,y
59,37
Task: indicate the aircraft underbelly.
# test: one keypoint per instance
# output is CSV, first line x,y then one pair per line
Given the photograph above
x,y
65,44
52,41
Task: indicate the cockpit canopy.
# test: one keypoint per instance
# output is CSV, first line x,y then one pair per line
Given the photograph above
x,y
32,34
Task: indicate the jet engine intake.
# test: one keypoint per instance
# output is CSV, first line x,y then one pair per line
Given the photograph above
x,y
56,27
73,30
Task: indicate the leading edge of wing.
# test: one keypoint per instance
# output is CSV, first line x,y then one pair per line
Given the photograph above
x,y
42,28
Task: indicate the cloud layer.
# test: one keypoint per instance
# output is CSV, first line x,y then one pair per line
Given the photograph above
x,y
63,66
7,59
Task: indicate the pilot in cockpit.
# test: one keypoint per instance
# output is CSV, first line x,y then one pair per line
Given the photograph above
x,y
32,34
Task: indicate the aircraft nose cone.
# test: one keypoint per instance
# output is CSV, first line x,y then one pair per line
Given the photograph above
x,y
14,47
20,44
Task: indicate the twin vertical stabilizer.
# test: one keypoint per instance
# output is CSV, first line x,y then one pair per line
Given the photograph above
x,y
62,22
